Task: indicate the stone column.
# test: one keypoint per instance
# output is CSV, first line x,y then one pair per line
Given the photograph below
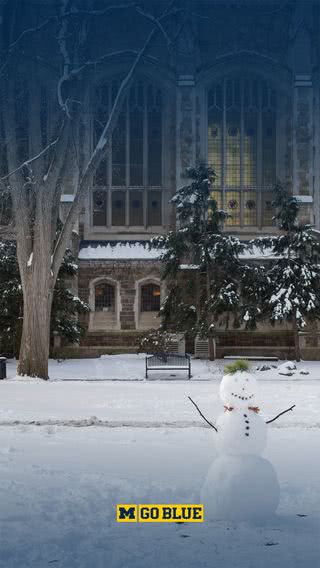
x,y
186,126
316,152
127,297
303,114
303,144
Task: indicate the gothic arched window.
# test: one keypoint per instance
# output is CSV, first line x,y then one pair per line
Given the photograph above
x,y
104,297
150,298
242,148
127,184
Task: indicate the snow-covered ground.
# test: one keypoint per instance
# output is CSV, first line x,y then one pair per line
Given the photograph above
x,y
132,368
71,449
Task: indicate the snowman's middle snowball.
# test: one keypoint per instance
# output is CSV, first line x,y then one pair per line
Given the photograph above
x,y
241,431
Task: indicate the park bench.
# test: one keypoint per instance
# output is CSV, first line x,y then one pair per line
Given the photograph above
x,y
168,362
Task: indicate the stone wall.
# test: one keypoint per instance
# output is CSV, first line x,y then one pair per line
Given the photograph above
x,y
127,275
256,343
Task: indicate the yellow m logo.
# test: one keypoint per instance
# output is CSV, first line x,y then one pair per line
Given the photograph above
x,y
127,513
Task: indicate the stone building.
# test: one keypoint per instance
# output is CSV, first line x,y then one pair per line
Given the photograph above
x,y
240,91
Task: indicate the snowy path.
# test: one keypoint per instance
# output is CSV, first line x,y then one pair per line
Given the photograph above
x,y
58,488
131,367
148,404
71,449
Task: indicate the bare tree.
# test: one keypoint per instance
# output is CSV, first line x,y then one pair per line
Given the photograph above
x,y
44,108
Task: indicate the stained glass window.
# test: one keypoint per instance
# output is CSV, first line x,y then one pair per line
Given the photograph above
x,y
242,148
250,150
232,207
250,207
267,209
119,152
136,208
136,113
118,208
132,168
154,208
154,137
99,208
233,150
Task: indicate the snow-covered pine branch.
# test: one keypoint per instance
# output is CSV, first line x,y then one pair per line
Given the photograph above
x,y
292,293
221,289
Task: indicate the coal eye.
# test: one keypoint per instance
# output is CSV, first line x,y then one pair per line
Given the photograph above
x,y
236,380
247,380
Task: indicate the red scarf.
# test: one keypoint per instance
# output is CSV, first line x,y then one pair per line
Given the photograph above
x,y
255,409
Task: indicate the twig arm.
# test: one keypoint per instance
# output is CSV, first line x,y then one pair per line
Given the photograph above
x,y
283,412
202,416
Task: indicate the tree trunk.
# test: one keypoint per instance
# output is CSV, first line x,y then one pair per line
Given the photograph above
x,y
211,349
35,339
296,342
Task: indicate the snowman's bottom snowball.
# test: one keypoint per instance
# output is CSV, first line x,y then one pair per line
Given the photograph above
x,y
240,488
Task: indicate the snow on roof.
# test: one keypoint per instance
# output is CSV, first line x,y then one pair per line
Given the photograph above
x,y
138,250
118,251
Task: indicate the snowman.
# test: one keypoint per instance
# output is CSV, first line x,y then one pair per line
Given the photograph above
x,y
240,484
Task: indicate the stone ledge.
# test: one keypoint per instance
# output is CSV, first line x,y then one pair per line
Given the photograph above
x,y
89,352
285,352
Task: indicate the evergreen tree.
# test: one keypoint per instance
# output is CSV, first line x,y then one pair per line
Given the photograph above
x,y
65,308
10,299
293,291
223,289
155,341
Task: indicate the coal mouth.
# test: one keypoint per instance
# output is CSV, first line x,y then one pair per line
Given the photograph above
x,y
242,397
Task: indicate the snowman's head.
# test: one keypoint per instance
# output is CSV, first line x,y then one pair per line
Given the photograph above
x,y
238,389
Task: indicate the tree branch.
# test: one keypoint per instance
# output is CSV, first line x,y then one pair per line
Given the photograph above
x,y
65,57
100,12
156,22
75,72
27,163
67,75
76,13
202,416
43,25
284,411
99,151
18,195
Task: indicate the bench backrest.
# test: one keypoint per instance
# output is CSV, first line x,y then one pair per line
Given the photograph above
x,y
167,360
